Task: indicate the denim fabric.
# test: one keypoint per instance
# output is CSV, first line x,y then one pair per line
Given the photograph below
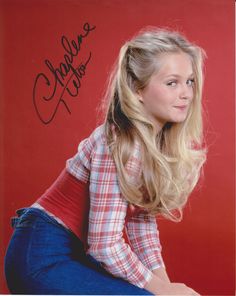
x,y
43,257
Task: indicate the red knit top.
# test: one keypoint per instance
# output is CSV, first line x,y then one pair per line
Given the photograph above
x,y
62,198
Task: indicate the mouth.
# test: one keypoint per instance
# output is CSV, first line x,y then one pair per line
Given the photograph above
x,y
182,107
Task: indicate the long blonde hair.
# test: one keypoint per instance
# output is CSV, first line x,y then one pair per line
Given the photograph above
x,y
171,160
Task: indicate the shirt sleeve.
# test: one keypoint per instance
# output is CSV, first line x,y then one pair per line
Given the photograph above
x,y
143,236
141,227
106,221
79,164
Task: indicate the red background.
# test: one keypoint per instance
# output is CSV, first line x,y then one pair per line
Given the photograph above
x,y
198,251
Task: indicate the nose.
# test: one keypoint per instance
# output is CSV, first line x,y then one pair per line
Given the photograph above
x,y
186,92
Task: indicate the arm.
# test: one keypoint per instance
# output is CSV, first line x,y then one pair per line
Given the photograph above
x,y
143,236
106,221
142,228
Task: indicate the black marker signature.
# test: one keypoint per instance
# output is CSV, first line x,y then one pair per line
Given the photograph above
x,y
66,76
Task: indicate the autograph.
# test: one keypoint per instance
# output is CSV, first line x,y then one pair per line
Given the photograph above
x,y
66,78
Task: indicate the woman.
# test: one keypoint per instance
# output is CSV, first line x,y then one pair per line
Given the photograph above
x,y
143,161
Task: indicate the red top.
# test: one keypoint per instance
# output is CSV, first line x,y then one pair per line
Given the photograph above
x,y
62,198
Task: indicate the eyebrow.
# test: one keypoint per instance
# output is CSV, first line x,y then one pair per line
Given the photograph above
x,y
177,75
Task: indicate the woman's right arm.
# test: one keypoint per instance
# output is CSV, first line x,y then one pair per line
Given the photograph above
x,y
107,218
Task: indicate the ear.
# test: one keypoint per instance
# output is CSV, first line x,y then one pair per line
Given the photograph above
x,y
139,96
140,99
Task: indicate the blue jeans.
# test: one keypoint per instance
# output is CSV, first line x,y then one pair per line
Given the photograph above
x,y
43,257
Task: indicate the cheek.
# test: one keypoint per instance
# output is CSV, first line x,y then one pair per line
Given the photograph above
x,y
163,97
157,96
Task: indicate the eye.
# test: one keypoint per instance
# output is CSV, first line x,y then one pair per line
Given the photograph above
x,y
172,83
190,82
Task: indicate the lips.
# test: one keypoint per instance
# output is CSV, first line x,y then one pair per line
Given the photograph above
x,y
182,107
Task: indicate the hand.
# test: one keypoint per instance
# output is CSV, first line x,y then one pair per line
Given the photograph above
x,y
159,287
176,289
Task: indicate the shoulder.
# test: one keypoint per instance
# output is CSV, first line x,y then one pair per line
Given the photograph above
x,y
98,135
80,164
96,138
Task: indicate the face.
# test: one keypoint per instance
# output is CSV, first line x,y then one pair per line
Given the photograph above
x,y
169,93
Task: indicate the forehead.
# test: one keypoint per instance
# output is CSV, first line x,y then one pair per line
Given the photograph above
x,y
174,64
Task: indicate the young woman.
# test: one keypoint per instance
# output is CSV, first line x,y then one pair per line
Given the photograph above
x,y
143,161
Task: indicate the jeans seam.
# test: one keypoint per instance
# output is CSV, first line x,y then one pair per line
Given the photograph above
x,y
28,269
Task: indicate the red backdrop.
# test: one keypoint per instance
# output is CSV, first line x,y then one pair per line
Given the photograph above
x,y
198,251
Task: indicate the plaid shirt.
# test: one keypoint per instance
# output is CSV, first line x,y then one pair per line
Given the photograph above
x,y
108,210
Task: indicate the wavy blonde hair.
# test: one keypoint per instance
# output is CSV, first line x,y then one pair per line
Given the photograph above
x,y
171,160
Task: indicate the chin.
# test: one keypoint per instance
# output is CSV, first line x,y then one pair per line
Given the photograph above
x,y
178,120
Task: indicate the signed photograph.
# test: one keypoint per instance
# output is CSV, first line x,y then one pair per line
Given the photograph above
x,y
117,147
